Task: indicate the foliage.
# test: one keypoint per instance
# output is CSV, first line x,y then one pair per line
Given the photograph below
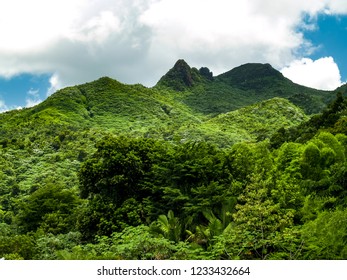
x,y
331,119
15,247
169,226
197,167
132,243
50,208
257,222
48,246
326,236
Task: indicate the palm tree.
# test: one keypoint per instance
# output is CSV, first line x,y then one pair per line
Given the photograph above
x,y
169,226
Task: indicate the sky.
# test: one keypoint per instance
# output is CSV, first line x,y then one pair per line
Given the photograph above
x,y
47,45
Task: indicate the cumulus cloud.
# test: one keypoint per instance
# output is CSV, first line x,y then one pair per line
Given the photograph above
x,y
28,26
222,34
322,73
77,40
97,29
222,31
138,40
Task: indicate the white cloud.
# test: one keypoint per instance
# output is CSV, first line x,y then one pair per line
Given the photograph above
x,y
28,26
138,40
55,84
33,92
322,73
338,6
222,33
33,98
96,29
77,40
3,106
32,102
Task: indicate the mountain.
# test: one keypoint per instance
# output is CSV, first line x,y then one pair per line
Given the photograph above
x,y
239,87
183,99
104,104
48,143
249,102
99,168
182,77
186,104
253,76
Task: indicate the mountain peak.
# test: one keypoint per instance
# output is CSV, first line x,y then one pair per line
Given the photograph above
x,y
252,76
182,76
181,64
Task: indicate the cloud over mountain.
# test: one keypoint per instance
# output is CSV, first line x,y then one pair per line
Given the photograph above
x,y
137,40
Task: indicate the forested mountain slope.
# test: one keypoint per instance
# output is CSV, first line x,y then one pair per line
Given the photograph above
x,y
197,167
244,85
252,123
158,112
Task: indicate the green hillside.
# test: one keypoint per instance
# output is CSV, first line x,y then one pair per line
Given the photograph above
x,y
109,106
252,123
244,165
106,103
183,96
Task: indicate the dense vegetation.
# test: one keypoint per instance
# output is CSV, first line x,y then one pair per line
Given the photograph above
x,y
198,167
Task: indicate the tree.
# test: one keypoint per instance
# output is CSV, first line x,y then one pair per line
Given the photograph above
x,y
256,223
17,247
118,169
325,237
192,177
117,182
286,177
169,226
311,159
51,207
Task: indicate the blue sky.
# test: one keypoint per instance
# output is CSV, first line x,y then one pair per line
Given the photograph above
x,y
330,37
326,38
47,45
24,90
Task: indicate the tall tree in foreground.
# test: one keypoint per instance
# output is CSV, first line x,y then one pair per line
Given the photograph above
x,y
257,223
